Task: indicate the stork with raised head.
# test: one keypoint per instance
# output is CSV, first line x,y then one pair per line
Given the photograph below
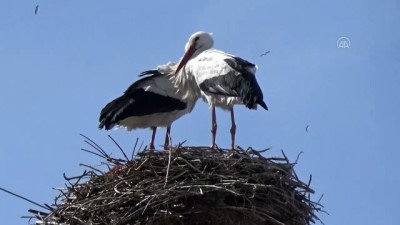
x,y
223,79
150,102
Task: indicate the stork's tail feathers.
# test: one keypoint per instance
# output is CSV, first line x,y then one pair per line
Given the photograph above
x,y
253,95
252,104
247,85
262,103
105,125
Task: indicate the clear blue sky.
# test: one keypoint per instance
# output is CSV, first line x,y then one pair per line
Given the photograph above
x,y
60,67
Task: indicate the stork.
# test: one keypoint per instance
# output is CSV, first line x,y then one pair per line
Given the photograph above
x,y
223,79
150,102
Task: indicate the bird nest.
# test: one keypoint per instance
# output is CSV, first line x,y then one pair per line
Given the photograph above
x,y
186,185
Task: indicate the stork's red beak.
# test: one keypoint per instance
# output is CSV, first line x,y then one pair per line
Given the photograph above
x,y
188,54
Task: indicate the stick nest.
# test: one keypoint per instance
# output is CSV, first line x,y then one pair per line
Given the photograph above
x,y
187,185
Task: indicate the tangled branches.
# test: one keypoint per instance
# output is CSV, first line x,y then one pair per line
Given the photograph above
x,y
187,185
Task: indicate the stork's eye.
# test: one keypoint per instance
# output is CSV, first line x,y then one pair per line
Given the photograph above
x,y
196,38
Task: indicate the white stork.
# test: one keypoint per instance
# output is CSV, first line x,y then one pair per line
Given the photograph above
x,y
223,79
152,101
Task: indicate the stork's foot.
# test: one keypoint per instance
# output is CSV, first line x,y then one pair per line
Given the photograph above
x,y
213,137
214,148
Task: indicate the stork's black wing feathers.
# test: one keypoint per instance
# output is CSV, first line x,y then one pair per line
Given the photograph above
x,y
136,101
240,82
149,72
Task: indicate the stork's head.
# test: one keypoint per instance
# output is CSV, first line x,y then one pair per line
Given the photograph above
x,y
198,42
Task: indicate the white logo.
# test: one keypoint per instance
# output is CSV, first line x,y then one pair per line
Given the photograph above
x,y
343,42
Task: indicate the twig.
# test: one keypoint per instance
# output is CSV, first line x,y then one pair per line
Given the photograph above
x,y
298,157
94,145
134,148
188,163
91,167
169,163
94,153
119,147
26,199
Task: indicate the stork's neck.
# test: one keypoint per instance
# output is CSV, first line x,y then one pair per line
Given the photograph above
x,y
185,83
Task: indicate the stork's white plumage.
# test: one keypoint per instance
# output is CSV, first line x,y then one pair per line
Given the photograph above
x,y
223,79
153,101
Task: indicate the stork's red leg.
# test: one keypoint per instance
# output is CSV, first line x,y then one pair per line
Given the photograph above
x,y
167,138
233,128
153,136
213,126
